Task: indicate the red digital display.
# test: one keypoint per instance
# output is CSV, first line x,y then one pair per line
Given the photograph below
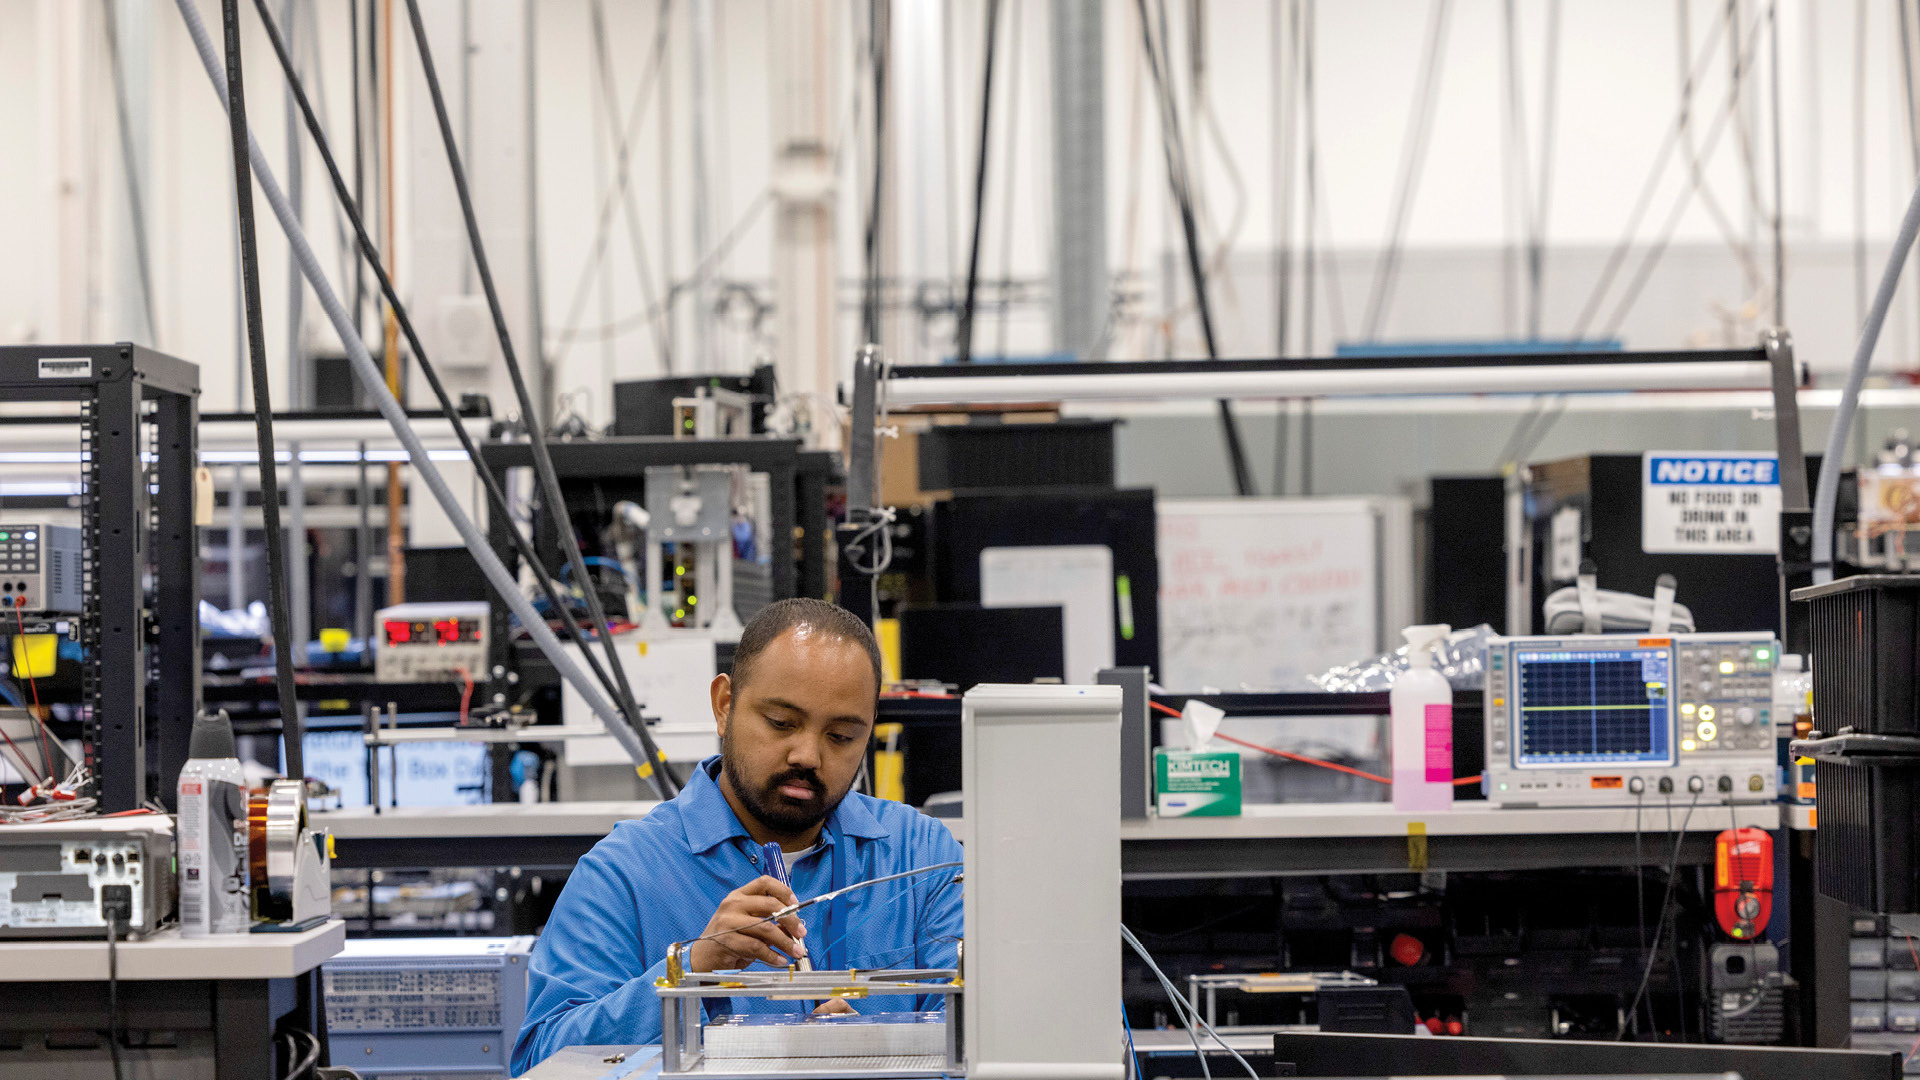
x,y
439,632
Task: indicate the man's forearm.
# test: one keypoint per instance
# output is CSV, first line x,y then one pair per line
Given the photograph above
x,y
628,1015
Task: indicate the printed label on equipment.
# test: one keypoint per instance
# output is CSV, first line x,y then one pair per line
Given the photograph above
x,y
66,367
1439,731
1709,503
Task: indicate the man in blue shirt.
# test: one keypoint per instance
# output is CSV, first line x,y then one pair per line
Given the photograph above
x,y
794,720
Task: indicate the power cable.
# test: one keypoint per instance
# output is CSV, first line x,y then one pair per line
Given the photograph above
x,y
1537,254
556,505
1859,161
1655,251
292,724
602,231
603,70
1666,901
1644,200
1413,156
1012,190
1188,1016
1692,154
113,985
1827,494
1283,75
135,204
496,498
963,344
375,386
1178,174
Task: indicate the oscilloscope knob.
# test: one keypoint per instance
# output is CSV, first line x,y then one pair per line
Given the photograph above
x,y
1746,715
1696,784
1636,785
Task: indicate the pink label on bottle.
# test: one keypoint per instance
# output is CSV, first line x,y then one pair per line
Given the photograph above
x,y
1440,744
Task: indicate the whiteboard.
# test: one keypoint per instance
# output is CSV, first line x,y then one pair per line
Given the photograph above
x,y
1255,593
1077,577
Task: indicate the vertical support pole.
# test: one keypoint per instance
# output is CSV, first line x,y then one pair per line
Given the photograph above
x,y
1080,293
119,501
856,588
1795,560
363,557
176,588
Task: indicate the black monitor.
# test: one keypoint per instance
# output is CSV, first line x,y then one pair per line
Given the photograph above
x,y
966,644
1123,521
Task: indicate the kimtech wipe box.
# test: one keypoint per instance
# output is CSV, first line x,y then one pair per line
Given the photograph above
x,y
1187,783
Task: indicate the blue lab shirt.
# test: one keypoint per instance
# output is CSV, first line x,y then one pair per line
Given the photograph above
x,y
658,880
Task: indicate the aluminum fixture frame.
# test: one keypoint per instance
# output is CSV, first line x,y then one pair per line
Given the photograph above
x,y
143,666
680,993
1289,982
1771,362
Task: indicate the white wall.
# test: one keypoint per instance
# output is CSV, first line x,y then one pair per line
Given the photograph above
x,y
62,217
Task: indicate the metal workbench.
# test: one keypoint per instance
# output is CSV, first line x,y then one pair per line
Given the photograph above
x,y
1266,841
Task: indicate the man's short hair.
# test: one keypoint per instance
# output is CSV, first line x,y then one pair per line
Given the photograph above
x,y
783,615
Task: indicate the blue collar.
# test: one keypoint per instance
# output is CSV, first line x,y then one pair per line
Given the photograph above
x,y
709,821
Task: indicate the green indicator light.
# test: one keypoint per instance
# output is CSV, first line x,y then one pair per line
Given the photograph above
x,y
1762,654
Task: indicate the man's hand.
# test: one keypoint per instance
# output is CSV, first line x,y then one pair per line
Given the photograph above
x,y
832,1007
740,933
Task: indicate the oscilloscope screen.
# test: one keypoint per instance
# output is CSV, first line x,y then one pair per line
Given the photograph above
x,y
1606,706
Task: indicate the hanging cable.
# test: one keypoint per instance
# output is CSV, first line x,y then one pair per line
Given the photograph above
x,y
1537,253
1644,200
1174,149
622,153
556,505
291,722
1655,251
496,498
373,383
136,209
963,344
1413,156
602,231
1827,494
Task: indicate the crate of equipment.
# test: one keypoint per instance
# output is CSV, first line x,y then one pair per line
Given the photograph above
x,y
439,1008
1866,749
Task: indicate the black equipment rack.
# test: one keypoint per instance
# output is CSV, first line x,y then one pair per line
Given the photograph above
x,y
140,627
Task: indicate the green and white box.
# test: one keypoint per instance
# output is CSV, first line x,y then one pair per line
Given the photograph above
x,y
1196,784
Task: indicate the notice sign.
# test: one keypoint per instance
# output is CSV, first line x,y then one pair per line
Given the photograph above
x,y
1709,504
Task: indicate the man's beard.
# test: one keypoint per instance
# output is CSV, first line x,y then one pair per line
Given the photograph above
x,y
774,808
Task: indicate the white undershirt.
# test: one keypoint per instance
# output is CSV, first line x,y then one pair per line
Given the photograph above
x,y
789,860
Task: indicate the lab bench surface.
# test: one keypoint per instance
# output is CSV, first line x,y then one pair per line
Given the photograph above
x,y
165,955
1265,841
216,1004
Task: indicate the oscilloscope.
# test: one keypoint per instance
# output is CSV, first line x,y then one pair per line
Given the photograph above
x,y
1611,719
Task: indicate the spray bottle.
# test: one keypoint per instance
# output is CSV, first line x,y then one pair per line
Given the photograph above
x,y
1422,705
213,832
